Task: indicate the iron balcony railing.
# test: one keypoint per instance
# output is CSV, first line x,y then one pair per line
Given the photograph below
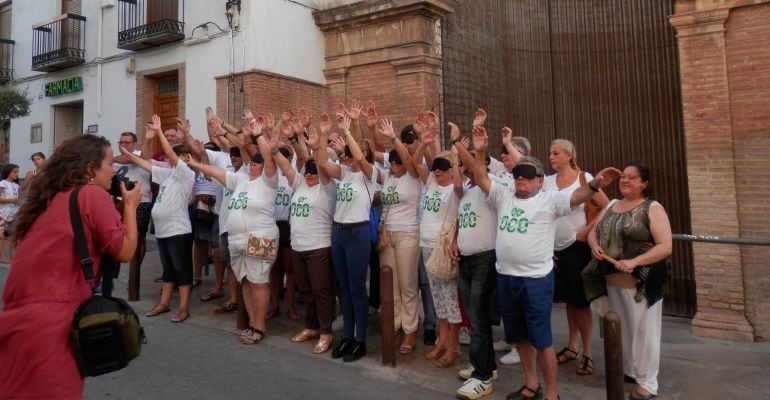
x,y
59,43
149,23
6,60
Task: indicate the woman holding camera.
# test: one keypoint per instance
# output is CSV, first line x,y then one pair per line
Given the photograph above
x,y
46,284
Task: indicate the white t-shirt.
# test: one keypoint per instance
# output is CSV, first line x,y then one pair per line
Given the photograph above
x,y
354,196
170,213
525,230
476,222
401,199
311,215
251,208
224,212
439,210
283,198
10,191
221,160
568,225
136,173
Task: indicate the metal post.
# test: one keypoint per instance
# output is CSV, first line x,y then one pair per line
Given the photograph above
x,y
613,356
387,322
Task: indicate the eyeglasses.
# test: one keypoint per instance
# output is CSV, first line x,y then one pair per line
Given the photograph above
x,y
125,143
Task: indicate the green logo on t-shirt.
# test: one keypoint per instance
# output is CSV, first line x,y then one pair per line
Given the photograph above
x,y
299,208
345,192
241,201
161,192
390,196
282,198
432,203
467,218
514,223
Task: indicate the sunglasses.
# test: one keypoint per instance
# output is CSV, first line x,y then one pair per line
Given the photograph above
x,y
408,137
441,164
526,171
311,168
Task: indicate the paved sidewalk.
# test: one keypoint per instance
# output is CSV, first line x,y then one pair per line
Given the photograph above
x,y
691,368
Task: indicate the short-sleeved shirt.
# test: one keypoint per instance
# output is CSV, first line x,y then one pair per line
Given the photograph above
x,y
401,199
10,191
283,198
567,226
251,208
525,230
170,212
476,223
354,196
311,215
221,160
439,209
224,212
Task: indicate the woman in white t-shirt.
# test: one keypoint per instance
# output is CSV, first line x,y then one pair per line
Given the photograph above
x,y
251,212
442,194
401,199
572,254
171,218
350,240
312,205
9,203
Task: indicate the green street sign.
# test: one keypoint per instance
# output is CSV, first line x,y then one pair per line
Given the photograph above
x,y
64,86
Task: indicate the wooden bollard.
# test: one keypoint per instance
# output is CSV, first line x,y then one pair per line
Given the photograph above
x,y
613,356
242,322
134,277
387,323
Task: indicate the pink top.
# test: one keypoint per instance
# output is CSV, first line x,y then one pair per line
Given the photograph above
x,y
45,286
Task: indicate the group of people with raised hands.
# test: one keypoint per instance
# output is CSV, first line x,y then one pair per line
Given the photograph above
x,y
469,235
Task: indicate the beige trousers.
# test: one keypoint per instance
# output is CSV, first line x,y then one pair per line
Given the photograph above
x,y
402,255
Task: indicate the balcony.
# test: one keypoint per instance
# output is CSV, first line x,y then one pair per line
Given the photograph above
x,y
6,60
148,23
59,43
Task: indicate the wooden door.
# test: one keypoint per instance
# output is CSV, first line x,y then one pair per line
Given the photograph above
x,y
68,122
166,104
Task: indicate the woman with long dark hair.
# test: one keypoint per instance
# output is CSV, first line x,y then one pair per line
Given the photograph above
x,y
46,284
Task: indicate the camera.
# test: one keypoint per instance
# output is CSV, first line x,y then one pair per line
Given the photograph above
x,y
120,176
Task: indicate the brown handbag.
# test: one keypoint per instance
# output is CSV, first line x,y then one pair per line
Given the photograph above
x,y
266,249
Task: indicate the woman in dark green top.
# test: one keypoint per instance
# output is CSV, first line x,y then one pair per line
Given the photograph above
x,y
630,245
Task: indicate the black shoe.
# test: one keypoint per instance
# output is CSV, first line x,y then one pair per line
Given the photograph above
x,y
429,337
343,348
357,351
628,379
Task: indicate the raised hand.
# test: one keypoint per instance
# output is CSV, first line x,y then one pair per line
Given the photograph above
x,y
466,142
432,119
296,125
286,128
605,177
480,118
149,132
355,110
209,114
430,135
507,134
325,124
287,115
312,137
257,125
454,131
340,119
183,126
419,124
338,144
371,114
269,121
156,126
345,126
386,129
304,117
480,138
247,115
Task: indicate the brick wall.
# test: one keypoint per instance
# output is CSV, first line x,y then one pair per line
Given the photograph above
x,y
748,69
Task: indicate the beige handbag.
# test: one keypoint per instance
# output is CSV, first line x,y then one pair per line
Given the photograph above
x,y
266,249
440,264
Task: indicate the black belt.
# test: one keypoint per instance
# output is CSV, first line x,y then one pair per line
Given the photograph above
x,y
350,226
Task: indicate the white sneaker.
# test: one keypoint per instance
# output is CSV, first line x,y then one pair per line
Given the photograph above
x,y
465,336
502,345
511,358
474,389
466,373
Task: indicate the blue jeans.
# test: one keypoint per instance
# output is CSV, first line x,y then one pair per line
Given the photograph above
x,y
478,284
176,258
429,323
350,253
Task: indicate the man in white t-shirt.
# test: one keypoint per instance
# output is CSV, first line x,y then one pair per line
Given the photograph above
x,y
524,248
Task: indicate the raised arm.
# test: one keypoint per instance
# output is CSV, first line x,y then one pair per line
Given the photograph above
x,y
371,127
481,143
420,165
458,144
354,113
139,161
355,150
386,130
211,171
146,153
457,175
167,149
586,190
513,151
322,157
285,166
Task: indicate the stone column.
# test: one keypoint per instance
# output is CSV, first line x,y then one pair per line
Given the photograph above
x,y
387,51
711,172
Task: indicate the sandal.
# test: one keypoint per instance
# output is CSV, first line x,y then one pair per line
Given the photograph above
x,y
323,344
586,366
211,296
448,359
251,336
566,354
519,394
227,308
305,335
408,345
435,352
180,315
157,310
635,395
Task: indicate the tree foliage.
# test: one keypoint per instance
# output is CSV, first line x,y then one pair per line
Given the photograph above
x,y
13,103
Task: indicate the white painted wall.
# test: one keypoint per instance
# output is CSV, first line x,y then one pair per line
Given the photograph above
x,y
275,36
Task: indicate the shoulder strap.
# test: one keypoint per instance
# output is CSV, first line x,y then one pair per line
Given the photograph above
x,y
80,237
